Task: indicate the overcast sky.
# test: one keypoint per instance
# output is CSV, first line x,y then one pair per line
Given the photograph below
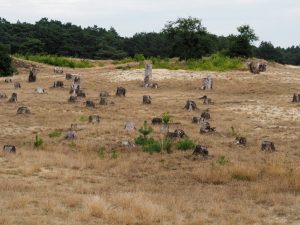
x,y
273,20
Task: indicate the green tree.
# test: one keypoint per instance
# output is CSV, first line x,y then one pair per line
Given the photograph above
x,y
5,62
188,38
267,51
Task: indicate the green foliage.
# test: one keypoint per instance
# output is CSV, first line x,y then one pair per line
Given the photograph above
x,y
166,118
101,152
145,130
114,154
83,118
57,60
72,144
222,161
185,144
38,141
5,62
152,146
234,132
166,144
55,133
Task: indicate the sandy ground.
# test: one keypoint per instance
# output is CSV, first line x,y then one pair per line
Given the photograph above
x,y
67,182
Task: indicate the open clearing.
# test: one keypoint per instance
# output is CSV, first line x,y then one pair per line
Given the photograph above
x,y
68,183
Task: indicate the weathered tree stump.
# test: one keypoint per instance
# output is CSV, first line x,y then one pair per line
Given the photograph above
x,y
103,101
267,146
148,75
94,119
164,129
3,95
70,135
205,115
296,97
146,99
73,126
197,120
81,94
206,128
190,105
17,85
207,83
206,100
58,84
75,86
178,133
200,150
257,67
13,97
7,80
103,94
129,126
58,70
156,121
240,141
72,98
40,90
9,149
23,110
121,91
69,76
32,75
90,104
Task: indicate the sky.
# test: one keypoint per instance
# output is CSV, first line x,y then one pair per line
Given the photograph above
x,y
272,20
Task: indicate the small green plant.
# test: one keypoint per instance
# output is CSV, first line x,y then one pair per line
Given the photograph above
x,y
152,146
166,118
38,141
101,152
72,144
234,132
145,130
83,118
166,144
222,161
114,154
55,133
185,144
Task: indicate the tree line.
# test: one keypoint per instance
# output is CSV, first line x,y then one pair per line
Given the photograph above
x,y
185,38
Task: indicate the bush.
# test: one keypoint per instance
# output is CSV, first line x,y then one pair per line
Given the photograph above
x,y
57,60
185,144
222,160
101,152
55,133
5,63
166,118
38,141
166,145
152,146
83,118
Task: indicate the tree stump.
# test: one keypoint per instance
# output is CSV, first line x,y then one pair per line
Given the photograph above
x,y
206,100
73,126
205,115
268,146
90,104
58,70
94,119
178,133
23,110
13,98
190,105
207,83
296,97
17,85
32,75
72,98
7,80
206,128
164,129
257,67
75,86
9,149
40,90
148,75
2,95
156,121
58,84
129,126
146,99
197,120
121,91
81,94
70,135
240,141
200,150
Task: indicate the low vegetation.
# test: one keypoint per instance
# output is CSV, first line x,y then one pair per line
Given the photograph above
x,y
57,60
185,144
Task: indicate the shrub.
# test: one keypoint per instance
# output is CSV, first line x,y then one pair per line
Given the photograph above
x,y
38,141
185,144
145,130
152,146
83,118
5,63
114,154
101,152
166,144
55,133
166,118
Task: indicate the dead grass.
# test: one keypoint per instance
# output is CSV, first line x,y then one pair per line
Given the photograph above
x,y
68,183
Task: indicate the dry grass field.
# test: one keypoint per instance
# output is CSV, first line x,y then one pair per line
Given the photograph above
x,y
65,182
